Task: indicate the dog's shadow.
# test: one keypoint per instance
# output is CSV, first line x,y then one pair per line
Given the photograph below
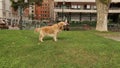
x,y
47,38
62,38
59,38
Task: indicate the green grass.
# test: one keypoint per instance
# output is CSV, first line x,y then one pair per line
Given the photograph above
x,y
74,49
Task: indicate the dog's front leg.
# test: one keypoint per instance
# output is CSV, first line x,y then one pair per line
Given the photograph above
x,y
55,37
41,37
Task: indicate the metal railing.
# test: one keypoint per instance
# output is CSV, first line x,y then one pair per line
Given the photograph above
x,y
26,24
31,24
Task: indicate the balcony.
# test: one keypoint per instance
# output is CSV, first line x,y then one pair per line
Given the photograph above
x,y
114,10
67,10
82,0
75,10
75,0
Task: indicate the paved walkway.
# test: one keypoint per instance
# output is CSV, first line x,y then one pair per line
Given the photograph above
x,y
111,36
114,38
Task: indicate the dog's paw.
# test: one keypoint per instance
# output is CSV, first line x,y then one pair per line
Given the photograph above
x,y
41,40
55,40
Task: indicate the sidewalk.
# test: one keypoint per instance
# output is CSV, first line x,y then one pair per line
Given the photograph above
x,y
111,36
114,38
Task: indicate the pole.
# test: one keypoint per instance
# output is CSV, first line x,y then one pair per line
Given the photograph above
x,y
20,19
62,12
63,5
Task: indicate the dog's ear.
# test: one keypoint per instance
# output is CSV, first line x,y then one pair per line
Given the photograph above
x,y
66,22
61,27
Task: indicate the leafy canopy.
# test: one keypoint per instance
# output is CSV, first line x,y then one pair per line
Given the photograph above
x,y
23,4
107,2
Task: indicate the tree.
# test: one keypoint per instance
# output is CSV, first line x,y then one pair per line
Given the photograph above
x,y
15,5
102,14
21,4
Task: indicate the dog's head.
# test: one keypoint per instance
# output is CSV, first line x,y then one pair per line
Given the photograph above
x,y
62,24
36,29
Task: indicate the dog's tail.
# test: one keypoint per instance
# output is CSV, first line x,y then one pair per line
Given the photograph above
x,y
37,30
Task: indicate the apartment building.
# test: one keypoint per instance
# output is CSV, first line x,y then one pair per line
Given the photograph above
x,y
81,10
5,8
45,11
1,7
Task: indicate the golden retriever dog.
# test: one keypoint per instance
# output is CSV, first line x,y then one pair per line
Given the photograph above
x,y
50,30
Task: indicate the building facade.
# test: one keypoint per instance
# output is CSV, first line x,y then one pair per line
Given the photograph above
x,y
45,11
5,8
81,10
1,8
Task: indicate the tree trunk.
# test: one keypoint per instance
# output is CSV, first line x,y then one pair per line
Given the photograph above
x,y
102,16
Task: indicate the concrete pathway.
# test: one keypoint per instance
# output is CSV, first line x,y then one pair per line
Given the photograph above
x,y
111,36
114,38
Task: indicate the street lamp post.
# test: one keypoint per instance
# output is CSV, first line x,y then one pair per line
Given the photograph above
x,y
63,6
20,11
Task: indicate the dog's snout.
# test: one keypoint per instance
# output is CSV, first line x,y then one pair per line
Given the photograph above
x,y
66,23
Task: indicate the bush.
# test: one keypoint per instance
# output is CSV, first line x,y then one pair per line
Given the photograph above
x,y
77,23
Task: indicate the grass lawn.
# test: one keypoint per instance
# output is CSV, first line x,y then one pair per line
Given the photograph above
x,y
74,49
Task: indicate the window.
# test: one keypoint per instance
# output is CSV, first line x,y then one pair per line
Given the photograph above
x,y
94,7
45,11
74,6
79,6
88,6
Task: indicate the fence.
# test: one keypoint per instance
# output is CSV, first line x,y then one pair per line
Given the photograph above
x,y
114,27
25,24
31,24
